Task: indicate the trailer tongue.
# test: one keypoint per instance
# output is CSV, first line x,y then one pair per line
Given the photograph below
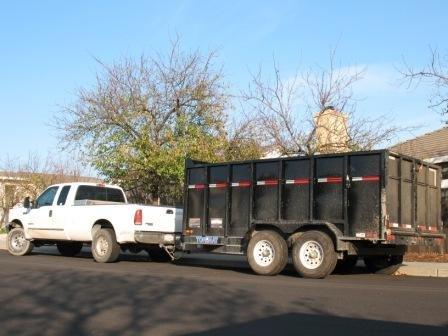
x,y
318,209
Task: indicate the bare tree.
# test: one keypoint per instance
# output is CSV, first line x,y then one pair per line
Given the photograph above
x,y
29,178
315,111
435,74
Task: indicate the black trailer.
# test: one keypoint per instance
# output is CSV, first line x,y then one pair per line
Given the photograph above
x,y
321,210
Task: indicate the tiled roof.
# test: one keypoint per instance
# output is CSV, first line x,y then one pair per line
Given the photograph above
x,y
429,145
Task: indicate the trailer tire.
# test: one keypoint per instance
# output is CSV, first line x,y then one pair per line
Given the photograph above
x,y
313,255
105,248
383,264
69,249
18,245
158,255
267,253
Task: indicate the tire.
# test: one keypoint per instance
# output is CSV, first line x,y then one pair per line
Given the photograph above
x,y
158,255
313,255
105,248
383,264
18,245
267,253
69,249
346,265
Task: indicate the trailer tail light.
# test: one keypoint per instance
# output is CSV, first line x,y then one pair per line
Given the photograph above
x,y
138,217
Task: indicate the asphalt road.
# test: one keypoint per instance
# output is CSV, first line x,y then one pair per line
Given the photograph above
x,y
47,294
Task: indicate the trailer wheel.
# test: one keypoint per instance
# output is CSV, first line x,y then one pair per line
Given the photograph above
x,y
105,248
69,249
18,245
267,253
313,255
383,264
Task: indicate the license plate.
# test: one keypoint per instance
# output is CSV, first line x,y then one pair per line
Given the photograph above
x,y
207,240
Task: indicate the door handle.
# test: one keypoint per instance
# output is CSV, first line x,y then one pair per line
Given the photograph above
x,y
50,213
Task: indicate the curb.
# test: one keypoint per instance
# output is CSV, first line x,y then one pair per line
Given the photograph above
x,y
422,269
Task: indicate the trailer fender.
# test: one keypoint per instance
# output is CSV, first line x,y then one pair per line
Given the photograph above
x,y
327,227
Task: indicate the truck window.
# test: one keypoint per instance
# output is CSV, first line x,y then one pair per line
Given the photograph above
x,y
63,195
95,193
47,197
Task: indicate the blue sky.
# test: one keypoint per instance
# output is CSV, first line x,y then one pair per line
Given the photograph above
x,y
47,50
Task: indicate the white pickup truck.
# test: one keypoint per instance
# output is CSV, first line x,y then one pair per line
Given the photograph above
x,y
71,214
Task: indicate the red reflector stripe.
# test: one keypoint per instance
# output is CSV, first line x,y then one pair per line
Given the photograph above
x,y
267,182
196,186
298,181
218,185
330,179
243,184
369,178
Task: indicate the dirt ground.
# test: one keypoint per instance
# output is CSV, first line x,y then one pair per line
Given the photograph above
x,y
426,257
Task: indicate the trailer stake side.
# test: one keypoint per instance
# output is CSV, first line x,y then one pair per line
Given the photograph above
x,y
322,210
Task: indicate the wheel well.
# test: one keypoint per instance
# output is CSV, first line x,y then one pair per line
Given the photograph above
x,y
13,224
265,227
328,228
323,227
101,224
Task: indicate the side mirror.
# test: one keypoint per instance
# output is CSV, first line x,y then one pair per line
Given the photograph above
x,y
26,203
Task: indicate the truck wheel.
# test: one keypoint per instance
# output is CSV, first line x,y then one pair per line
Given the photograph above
x,y
346,265
18,245
105,248
383,264
267,253
69,249
313,255
158,255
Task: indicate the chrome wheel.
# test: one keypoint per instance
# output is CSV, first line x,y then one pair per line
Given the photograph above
x,y
263,253
102,246
311,254
17,241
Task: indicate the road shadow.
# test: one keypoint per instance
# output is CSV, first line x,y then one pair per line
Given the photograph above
x,y
76,300
317,325
70,302
242,266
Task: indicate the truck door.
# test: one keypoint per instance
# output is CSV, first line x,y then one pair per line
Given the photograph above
x,y
329,187
61,214
40,217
